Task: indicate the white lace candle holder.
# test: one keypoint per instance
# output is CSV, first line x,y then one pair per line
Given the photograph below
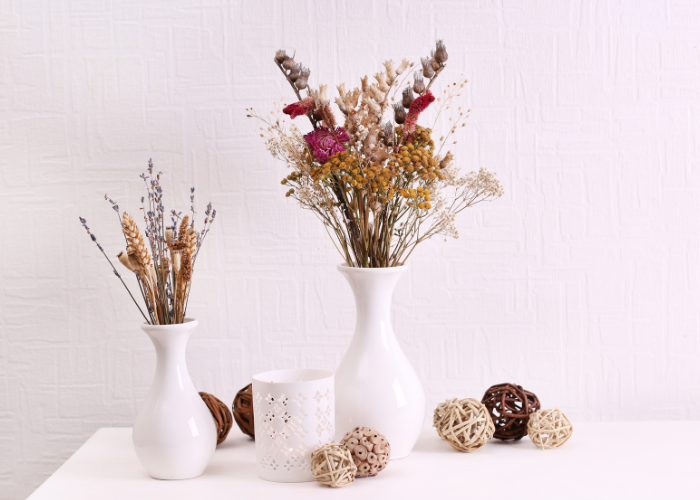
x,y
294,414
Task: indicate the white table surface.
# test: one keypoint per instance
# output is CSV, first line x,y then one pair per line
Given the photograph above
x,y
621,460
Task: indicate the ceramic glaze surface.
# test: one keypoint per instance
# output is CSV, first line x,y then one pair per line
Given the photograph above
x,y
294,414
174,434
375,384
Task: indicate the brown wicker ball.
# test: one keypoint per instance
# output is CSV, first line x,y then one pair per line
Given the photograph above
x,y
510,406
221,414
369,449
332,465
549,428
464,423
243,410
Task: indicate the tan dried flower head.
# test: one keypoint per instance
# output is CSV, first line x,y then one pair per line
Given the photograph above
x,y
135,243
186,268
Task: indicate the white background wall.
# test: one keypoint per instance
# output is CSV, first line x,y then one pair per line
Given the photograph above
x,y
580,284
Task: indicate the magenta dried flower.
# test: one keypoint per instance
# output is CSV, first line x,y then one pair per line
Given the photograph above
x,y
300,108
326,142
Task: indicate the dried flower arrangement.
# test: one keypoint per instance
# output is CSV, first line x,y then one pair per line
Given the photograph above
x,y
380,188
163,262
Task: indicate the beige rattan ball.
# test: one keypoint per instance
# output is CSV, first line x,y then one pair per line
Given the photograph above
x,y
464,423
370,450
332,465
549,428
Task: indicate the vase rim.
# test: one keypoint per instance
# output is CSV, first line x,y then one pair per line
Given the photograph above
x,y
190,322
344,268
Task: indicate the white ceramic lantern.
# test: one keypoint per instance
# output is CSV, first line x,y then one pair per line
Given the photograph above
x,y
294,414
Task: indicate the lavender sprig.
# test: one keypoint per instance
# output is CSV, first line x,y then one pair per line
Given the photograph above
x,y
93,238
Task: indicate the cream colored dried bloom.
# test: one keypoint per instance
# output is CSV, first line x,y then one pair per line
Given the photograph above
x,y
381,82
402,67
390,71
320,95
377,94
365,84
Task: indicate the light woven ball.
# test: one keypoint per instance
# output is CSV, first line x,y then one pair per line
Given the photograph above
x,y
510,407
243,410
464,423
332,465
370,450
549,428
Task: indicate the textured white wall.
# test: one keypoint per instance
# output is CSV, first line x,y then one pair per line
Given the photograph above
x,y
581,283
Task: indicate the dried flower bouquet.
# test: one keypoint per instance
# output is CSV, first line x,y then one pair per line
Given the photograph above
x,y
379,187
162,262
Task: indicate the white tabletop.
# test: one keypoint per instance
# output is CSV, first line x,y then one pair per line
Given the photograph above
x,y
602,460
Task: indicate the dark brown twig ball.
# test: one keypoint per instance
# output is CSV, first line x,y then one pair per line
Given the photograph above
x,y
221,414
243,410
510,406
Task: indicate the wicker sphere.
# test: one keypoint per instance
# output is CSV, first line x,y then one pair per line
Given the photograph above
x,y
370,450
221,414
243,410
549,428
332,465
464,423
510,406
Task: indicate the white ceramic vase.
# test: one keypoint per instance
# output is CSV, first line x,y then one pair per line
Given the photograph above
x,y
375,384
174,434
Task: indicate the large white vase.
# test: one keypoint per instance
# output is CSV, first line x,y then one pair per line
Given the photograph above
x,y
174,434
375,384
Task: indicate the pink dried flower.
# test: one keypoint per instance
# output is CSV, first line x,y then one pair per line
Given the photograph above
x,y
326,142
299,108
418,105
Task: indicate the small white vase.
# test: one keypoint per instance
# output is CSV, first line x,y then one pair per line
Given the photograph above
x,y
375,384
174,434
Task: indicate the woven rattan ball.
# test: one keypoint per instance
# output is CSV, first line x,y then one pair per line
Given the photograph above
x,y
510,406
332,465
464,423
549,428
221,414
370,450
243,410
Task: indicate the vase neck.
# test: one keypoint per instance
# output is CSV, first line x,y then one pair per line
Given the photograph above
x,y
373,290
170,343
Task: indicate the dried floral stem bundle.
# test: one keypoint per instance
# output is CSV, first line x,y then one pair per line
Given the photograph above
x,y
162,261
379,187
